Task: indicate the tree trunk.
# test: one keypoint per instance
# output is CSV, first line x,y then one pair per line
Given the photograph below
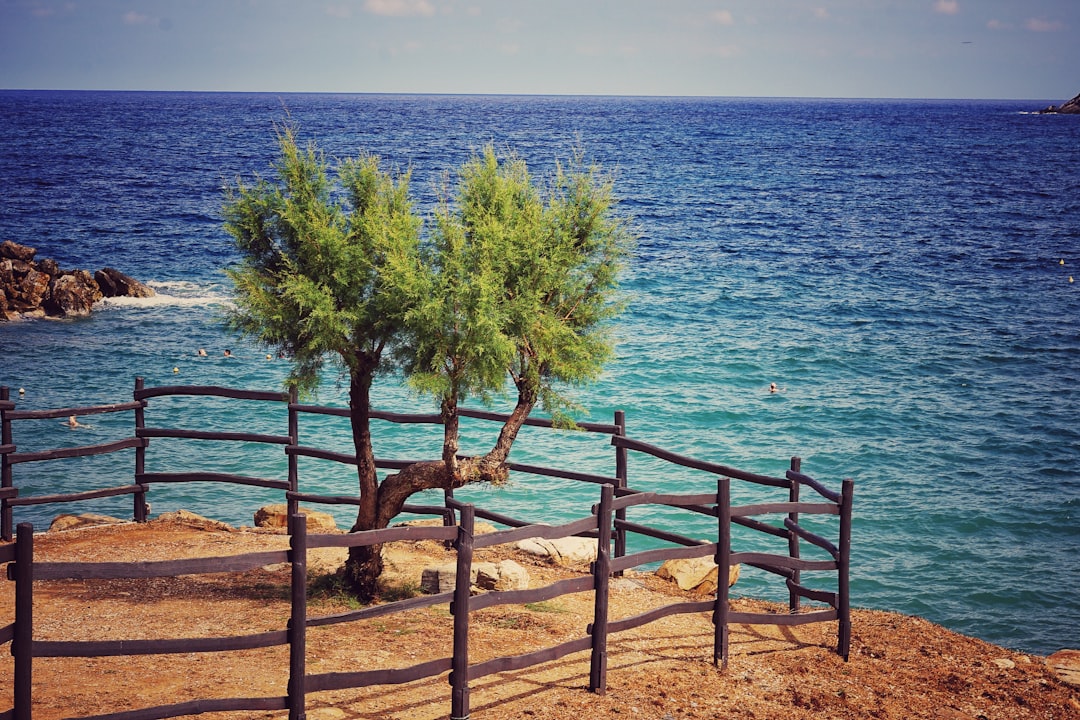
x,y
365,564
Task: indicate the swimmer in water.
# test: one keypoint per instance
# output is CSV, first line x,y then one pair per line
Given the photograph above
x,y
72,422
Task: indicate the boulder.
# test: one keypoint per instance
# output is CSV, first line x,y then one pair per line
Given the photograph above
x,y
277,516
190,519
698,574
561,551
70,522
30,290
1066,664
505,575
1071,107
114,283
37,289
72,295
15,251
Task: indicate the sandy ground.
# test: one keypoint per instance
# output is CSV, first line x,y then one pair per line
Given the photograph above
x,y
900,667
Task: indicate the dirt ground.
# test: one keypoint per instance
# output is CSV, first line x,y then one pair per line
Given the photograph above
x,y
900,667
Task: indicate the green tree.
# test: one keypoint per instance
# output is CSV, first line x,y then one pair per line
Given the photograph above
x,y
310,283
511,284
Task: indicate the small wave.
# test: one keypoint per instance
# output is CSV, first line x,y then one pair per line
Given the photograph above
x,y
162,300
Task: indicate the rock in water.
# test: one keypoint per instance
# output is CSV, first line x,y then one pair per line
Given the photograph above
x,y
116,284
1072,107
30,288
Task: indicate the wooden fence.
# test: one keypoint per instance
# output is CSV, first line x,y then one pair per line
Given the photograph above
x,y
606,519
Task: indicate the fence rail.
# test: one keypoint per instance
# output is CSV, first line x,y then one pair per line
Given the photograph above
x,y
606,522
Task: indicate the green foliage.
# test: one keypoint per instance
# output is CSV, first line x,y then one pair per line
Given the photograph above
x,y
310,283
516,283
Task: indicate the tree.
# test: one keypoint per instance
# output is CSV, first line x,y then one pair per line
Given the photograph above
x,y
310,283
511,284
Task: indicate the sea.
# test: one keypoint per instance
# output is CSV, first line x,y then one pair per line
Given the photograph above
x,y
903,270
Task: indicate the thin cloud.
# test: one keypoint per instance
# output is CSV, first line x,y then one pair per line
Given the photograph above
x,y
1044,25
947,7
400,8
723,17
821,13
996,24
136,18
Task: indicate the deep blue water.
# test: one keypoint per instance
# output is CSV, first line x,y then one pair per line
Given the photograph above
x,y
895,266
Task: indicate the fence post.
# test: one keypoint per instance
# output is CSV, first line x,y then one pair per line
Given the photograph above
x,y
459,608
723,562
293,505
621,477
601,570
793,538
5,466
22,643
847,494
140,455
298,617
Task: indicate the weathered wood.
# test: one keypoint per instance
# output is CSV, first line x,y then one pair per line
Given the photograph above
x,y
111,648
68,412
669,499
216,391
7,493
517,662
564,474
695,464
211,477
212,435
22,644
661,554
374,611
141,509
759,558
812,538
761,527
547,532
157,568
75,497
601,572
847,497
7,633
386,535
583,583
679,608
196,707
816,595
721,608
658,534
459,608
795,476
785,507
743,618
83,451
297,630
364,678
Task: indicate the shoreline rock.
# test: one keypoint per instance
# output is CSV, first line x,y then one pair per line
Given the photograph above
x,y
32,288
1070,107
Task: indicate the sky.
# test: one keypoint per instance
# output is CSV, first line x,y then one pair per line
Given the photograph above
x,y
983,49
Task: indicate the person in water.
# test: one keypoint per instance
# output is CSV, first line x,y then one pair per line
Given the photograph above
x,y
73,422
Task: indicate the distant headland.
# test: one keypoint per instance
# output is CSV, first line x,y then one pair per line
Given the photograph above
x,y
1072,107
32,288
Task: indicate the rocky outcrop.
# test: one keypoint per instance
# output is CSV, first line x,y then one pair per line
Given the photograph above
x,y
32,288
1072,107
277,517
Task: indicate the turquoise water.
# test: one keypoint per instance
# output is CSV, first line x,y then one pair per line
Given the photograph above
x,y
896,267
